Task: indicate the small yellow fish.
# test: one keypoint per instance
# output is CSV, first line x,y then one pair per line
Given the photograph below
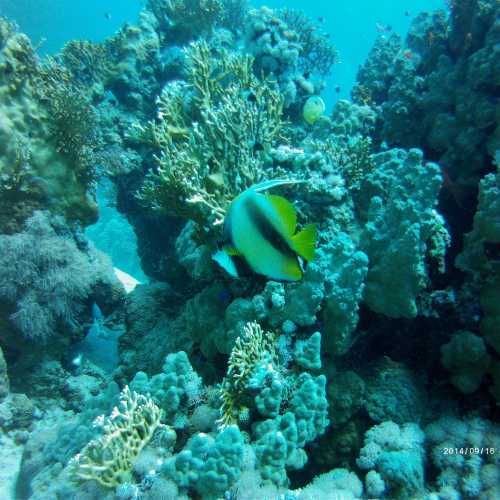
x,y
314,107
261,229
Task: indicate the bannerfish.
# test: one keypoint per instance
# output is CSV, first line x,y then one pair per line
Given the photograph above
x,y
260,229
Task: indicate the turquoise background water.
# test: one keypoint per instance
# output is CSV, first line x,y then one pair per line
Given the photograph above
x,y
351,23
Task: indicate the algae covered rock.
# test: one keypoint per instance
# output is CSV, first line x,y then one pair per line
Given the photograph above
x,y
465,356
47,137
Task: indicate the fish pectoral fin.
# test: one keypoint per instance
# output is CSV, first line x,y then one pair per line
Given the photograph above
x,y
226,262
286,212
232,251
304,242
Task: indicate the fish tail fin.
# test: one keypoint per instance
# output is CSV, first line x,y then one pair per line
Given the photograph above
x,y
304,242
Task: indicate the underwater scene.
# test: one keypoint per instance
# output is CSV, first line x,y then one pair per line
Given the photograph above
x,y
249,249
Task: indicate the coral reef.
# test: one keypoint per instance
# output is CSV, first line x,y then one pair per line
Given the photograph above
x,y
175,390
287,46
441,97
4,377
377,375
471,474
396,454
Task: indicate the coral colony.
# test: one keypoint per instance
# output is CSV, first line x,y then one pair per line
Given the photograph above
x,y
370,368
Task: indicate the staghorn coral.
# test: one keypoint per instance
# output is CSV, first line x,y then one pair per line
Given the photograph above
x,y
109,458
205,164
252,348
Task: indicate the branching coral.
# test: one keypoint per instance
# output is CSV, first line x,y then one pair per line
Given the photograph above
x,y
352,156
252,348
317,54
90,62
207,159
46,136
185,19
72,124
109,459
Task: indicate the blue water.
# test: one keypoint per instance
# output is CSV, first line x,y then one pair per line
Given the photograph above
x,y
352,24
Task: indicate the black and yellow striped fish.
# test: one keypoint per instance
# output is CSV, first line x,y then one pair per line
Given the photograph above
x,y
260,229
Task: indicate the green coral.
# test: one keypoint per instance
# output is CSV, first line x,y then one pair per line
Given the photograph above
x,y
72,119
352,156
212,143
90,62
109,458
